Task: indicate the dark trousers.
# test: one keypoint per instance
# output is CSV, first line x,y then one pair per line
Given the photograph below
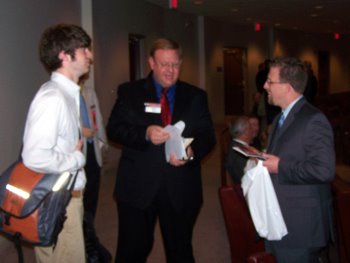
x,y
289,255
92,187
136,231
96,252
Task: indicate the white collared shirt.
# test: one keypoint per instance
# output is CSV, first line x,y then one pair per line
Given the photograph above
x,y
52,130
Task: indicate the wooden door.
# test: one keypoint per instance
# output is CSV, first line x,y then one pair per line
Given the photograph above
x,y
234,61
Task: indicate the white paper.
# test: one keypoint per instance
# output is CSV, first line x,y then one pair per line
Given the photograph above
x,y
176,144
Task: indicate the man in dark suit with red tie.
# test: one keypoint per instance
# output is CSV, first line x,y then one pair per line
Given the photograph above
x,y
301,163
148,188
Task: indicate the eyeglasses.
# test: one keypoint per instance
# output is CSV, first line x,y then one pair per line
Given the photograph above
x,y
270,82
168,65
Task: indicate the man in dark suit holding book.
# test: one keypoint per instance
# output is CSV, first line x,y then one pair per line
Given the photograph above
x,y
301,163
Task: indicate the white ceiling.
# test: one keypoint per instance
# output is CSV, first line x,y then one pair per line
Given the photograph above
x,y
301,15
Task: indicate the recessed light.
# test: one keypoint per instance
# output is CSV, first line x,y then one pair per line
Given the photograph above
x,y
234,10
314,15
198,2
319,7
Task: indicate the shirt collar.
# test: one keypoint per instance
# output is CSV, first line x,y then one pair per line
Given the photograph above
x,y
286,111
170,91
69,86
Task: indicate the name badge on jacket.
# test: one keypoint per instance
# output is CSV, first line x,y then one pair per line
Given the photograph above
x,y
152,107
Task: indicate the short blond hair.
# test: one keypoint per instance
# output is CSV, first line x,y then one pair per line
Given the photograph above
x,y
165,44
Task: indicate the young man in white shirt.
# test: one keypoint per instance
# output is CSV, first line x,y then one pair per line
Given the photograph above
x,y
51,142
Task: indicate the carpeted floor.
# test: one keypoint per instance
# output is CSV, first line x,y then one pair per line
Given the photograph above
x,y
210,241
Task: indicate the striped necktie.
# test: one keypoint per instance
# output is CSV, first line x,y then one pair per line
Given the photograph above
x,y
165,108
281,120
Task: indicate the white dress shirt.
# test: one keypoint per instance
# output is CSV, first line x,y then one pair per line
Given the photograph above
x,y
52,130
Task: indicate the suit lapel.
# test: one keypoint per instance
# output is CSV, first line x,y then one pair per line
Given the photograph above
x,y
291,115
180,102
149,94
276,132
273,134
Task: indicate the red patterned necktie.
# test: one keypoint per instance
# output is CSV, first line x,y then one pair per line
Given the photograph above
x,y
165,108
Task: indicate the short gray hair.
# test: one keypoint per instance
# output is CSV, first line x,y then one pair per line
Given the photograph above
x,y
239,126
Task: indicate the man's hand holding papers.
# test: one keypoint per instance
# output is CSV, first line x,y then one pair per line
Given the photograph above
x,y
177,149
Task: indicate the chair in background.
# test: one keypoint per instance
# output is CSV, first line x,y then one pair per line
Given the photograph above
x,y
225,142
245,245
244,242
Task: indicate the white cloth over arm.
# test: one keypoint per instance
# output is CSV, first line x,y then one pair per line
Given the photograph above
x,y
263,204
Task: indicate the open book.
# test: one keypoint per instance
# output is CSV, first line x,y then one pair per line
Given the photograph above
x,y
249,151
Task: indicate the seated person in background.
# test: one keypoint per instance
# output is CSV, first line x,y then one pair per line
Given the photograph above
x,y
242,134
255,128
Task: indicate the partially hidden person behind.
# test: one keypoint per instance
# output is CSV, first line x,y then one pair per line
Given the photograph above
x,y
258,135
242,135
301,163
148,188
95,144
51,142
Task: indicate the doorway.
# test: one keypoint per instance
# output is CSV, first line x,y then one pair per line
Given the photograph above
x,y
136,55
235,67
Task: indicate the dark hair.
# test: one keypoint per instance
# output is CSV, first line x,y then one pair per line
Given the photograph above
x,y
165,44
61,37
292,71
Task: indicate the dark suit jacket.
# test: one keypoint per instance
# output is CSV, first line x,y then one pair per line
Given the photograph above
x,y
235,163
307,166
143,168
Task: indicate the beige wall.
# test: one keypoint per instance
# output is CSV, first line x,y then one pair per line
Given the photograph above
x,y
21,74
